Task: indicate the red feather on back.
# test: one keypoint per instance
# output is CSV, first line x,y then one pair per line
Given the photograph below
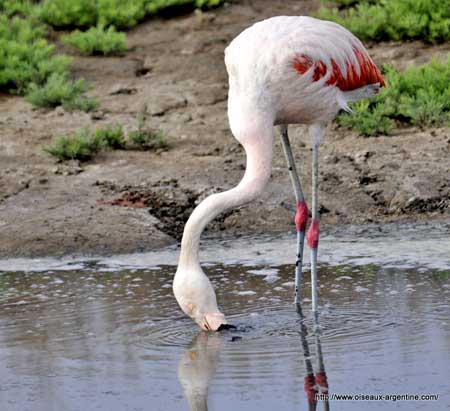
x,y
369,72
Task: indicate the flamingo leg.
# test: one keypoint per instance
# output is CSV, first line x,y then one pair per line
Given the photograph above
x,y
301,216
317,132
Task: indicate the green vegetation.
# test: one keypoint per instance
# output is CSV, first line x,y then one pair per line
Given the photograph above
x,y
65,13
97,40
81,145
380,20
86,142
59,90
29,67
348,3
110,136
25,56
119,13
418,96
17,7
145,138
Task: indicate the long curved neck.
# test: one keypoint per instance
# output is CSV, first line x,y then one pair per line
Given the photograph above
x,y
258,143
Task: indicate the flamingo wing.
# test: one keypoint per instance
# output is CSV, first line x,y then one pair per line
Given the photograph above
x,y
334,54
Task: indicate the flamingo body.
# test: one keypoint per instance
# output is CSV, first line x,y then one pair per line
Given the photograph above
x,y
283,70
298,68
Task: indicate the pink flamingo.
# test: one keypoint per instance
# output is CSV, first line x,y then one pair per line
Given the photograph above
x,y
283,70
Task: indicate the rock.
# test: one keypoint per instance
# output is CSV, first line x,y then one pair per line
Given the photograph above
x,y
68,169
362,156
122,89
59,111
193,49
159,102
98,115
208,95
148,64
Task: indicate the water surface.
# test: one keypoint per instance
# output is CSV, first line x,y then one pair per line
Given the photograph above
x,y
107,336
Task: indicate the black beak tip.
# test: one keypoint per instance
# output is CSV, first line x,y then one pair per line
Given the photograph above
x,y
223,327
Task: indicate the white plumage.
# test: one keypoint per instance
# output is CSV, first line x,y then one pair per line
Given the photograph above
x,y
260,60
283,70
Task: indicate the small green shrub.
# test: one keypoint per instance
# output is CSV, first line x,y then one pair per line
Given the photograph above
x,y
79,146
349,3
111,136
59,90
121,14
156,6
97,40
87,13
85,143
69,13
367,120
418,96
28,66
381,20
16,7
25,56
145,138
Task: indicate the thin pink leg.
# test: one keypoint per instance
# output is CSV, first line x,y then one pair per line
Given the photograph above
x,y
301,216
314,230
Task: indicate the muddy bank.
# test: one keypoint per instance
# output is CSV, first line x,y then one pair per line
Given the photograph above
x,y
126,201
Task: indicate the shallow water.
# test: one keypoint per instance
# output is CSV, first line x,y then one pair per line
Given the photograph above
x,y
105,337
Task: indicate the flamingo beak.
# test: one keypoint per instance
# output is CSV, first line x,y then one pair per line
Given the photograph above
x,y
212,321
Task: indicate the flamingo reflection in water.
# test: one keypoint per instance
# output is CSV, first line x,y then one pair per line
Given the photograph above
x,y
198,364
315,383
197,367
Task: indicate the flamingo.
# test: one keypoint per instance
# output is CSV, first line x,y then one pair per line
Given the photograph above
x,y
282,70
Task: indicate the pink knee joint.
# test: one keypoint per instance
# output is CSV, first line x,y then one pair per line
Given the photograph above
x,y
301,216
310,388
322,381
313,234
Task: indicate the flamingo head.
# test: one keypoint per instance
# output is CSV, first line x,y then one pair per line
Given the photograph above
x,y
196,297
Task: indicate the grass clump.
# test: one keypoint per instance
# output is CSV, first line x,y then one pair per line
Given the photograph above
x,y
145,138
28,66
97,40
86,142
25,55
69,13
58,90
121,14
418,96
381,20
79,146
17,7
110,136
87,13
